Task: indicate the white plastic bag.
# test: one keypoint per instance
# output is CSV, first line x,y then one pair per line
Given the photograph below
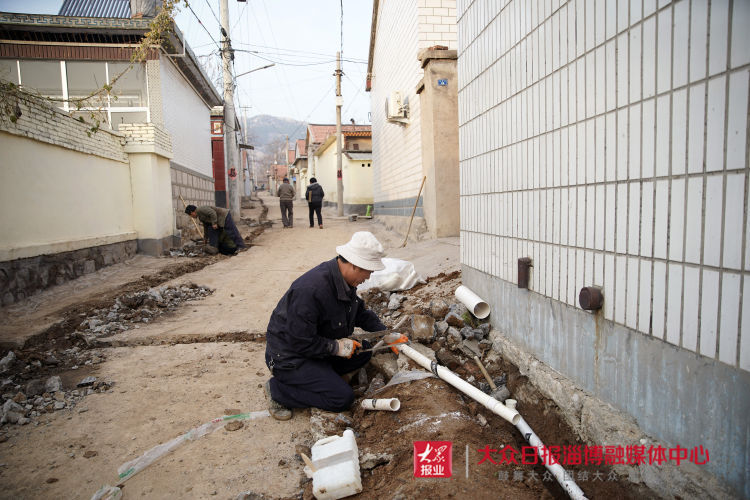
x,y
397,275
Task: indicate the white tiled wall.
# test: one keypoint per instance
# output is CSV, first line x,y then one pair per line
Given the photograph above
x,y
403,29
609,141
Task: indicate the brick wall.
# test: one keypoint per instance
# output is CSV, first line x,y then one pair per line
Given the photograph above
x,y
195,189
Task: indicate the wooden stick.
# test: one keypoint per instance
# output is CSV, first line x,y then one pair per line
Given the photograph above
x,y
484,372
414,211
196,224
308,462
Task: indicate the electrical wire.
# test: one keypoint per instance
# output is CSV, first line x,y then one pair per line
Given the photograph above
x,y
204,26
212,12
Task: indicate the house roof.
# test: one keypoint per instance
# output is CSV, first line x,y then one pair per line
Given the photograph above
x,y
301,148
96,8
359,155
317,134
290,156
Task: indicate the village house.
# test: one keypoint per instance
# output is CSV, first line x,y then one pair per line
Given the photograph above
x,y
99,195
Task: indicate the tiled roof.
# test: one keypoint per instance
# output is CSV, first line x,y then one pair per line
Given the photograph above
x,y
290,156
301,147
317,133
96,8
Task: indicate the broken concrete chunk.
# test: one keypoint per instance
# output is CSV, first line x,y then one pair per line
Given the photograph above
x,y
86,382
470,348
7,361
441,327
423,328
368,461
395,301
454,320
53,384
439,308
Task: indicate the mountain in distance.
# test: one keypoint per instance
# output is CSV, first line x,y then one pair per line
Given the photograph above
x,y
268,133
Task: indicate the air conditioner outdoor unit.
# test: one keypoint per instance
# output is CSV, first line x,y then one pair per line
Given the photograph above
x,y
396,107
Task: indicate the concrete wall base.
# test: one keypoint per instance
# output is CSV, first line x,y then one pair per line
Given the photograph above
x,y
673,394
400,225
157,247
22,278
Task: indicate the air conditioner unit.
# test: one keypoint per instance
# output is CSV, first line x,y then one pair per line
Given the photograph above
x,y
397,107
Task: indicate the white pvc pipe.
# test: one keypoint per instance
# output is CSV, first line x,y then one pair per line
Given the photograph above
x,y
444,373
557,470
473,302
387,404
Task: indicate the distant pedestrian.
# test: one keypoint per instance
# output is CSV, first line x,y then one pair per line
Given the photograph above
x,y
286,196
218,228
314,196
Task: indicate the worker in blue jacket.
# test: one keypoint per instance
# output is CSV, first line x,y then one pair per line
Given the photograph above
x,y
307,349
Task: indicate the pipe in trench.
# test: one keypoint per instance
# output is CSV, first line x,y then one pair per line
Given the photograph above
x,y
557,470
387,404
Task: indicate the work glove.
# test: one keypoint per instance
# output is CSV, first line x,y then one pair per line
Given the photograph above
x,y
346,347
395,338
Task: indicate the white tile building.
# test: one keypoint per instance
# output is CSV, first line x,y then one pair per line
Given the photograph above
x,y
607,140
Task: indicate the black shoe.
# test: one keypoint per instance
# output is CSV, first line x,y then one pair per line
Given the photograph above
x,y
276,409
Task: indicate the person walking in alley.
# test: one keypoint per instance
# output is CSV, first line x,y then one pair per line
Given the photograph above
x,y
314,196
286,196
218,227
307,349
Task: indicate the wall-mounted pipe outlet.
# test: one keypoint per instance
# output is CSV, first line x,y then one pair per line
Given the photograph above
x,y
591,298
524,263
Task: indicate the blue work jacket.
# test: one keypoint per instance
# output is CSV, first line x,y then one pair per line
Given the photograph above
x,y
318,308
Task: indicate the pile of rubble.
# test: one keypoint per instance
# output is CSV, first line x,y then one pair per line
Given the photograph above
x,y
190,249
25,401
134,309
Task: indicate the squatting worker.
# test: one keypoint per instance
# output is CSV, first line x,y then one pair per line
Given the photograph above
x,y
218,228
307,349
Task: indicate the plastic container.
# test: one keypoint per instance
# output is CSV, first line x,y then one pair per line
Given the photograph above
x,y
336,462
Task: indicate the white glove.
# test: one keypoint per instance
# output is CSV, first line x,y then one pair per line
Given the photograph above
x,y
346,347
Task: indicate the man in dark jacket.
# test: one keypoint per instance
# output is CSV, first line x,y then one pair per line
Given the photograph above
x,y
218,229
307,349
314,196
286,202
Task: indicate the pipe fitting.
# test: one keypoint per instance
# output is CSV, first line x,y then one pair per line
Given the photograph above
x,y
524,263
591,298
387,404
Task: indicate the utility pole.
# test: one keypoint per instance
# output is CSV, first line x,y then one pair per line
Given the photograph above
x,y
230,137
339,103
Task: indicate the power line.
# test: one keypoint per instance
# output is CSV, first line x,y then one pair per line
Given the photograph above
x,y
212,12
204,26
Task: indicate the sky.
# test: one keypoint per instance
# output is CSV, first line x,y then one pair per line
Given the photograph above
x,y
301,37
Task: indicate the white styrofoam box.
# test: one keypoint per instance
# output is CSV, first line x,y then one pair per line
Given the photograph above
x,y
649,58
659,299
677,219
649,132
712,230
679,131
664,51
622,144
693,220
718,29
681,24
690,308
621,288
610,13
609,286
737,120
733,219
674,303
709,312
634,219
622,70
715,124
745,328
644,296
635,64
740,22
610,201
698,40
631,311
662,135
697,101
634,154
647,218
599,222
621,229
729,317
661,215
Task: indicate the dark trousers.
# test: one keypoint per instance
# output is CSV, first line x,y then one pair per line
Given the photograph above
x,y
315,207
287,212
317,383
227,239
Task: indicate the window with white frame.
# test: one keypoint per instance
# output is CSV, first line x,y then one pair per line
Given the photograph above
x,y
66,81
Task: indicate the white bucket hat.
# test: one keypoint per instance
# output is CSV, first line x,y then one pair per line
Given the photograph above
x,y
363,250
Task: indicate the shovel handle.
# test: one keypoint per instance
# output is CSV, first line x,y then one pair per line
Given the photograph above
x,y
484,372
